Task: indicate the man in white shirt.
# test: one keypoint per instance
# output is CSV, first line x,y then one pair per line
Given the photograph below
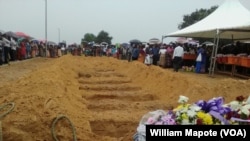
x,y
177,57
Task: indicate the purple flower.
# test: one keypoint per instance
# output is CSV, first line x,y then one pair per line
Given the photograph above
x,y
159,123
215,107
215,104
168,120
171,122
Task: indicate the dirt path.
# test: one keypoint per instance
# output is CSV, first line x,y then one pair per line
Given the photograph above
x,y
17,69
104,98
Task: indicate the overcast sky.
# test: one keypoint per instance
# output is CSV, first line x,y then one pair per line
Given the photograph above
x,y
122,19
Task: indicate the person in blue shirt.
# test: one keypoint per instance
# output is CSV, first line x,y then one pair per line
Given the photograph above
x,y
135,52
201,63
156,54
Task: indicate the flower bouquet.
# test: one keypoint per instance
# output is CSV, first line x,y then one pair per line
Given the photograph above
x,y
240,111
211,112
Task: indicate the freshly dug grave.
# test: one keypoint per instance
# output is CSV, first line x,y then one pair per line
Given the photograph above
x,y
103,97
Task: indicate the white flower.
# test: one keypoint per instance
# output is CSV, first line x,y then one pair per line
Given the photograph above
x,y
184,110
195,107
245,110
185,122
178,113
191,113
183,99
235,105
248,100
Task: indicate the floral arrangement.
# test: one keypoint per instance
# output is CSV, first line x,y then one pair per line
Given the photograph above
x,y
211,112
188,69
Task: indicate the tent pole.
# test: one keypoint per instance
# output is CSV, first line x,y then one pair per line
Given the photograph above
x,y
162,39
214,54
216,50
212,57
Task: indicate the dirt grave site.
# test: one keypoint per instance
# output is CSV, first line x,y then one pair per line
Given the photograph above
x,y
103,97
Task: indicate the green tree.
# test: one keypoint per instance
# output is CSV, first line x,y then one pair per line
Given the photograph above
x,y
103,37
196,16
89,37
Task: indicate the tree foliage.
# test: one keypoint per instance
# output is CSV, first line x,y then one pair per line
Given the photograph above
x,y
102,36
196,16
89,37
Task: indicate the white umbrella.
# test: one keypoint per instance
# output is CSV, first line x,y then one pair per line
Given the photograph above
x,y
96,45
154,41
207,43
104,43
11,34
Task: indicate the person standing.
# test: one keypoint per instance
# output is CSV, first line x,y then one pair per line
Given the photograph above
x,y
162,60
142,54
6,49
135,52
156,54
201,60
129,52
28,50
169,54
40,49
1,49
177,57
149,55
22,51
13,52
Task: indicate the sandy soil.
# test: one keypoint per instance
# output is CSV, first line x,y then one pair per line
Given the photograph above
x,y
103,97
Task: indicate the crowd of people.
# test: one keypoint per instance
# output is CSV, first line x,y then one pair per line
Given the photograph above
x,y
170,55
13,49
163,55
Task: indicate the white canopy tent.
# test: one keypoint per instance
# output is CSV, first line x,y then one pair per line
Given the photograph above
x,y
228,18
231,20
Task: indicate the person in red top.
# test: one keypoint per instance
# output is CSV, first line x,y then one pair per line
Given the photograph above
x,y
23,51
142,54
